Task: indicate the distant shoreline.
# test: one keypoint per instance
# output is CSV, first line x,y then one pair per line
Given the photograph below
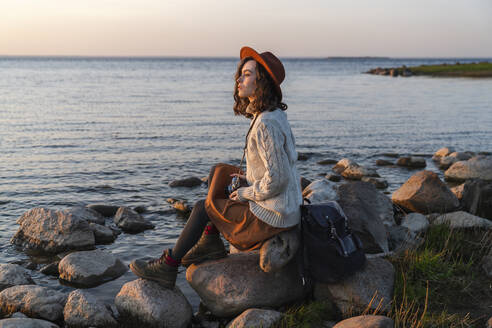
x,y
476,70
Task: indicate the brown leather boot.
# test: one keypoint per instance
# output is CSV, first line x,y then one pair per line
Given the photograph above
x,y
157,270
208,247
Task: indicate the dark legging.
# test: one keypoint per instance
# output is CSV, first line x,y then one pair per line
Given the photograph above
x,y
194,227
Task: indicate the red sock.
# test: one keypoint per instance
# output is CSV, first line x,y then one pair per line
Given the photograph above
x,y
210,229
170,261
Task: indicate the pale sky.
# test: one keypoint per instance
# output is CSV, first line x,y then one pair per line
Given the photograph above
x,y
301,28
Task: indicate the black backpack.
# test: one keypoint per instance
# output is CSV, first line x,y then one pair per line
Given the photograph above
x,y
331,251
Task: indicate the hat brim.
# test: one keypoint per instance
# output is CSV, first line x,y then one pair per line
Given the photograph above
x,y
250,52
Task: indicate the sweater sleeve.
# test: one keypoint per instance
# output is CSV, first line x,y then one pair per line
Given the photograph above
x,y
270,141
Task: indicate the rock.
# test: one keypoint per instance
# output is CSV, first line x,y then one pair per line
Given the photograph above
x,y
231,285
458,191
343,164
452,158
255,318
392,155
333,177
415,222
130,221
188,182
393,72
26,323
320,191
375,280
87,214
50,269
327,162
303,156
13,275
19,315
102,234
425,193
104,210
368,211
441,153
279,250
478,167
149,304
33,301
140,209
477,198
179,205
379,183
366,321
90,268
305,182
356,172
383,162
84,310
462,219
51,231
412,161
401,239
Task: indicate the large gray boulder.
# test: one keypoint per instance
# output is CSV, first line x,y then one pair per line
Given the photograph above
x,y
147,303
231,285
12,275
34,301
368,211
26,323
90,268
366,321
461,219
84,310
425,193
279,250
320,191
130,221
87,214
375,280
477,198
255,318
46,230
478,167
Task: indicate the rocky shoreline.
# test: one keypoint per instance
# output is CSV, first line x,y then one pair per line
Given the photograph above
x,y
478,70
246,289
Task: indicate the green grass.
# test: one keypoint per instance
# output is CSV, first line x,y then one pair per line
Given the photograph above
x,y
483,69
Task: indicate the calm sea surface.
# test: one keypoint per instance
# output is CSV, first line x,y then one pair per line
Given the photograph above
x,y
75,131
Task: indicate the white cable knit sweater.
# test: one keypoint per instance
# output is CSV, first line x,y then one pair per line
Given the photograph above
x,y
274,191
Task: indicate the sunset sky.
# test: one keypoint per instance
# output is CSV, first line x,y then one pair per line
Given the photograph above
x,y
309,28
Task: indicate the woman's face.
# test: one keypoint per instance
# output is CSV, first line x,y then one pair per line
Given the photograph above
x,y
246,83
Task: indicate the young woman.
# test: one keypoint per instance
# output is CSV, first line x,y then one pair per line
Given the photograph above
x,y
268,200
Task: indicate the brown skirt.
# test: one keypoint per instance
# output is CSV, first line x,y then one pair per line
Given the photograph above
x,y
233,218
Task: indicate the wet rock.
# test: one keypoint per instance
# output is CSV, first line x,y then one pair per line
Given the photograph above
x,y
13,275
379,183
327,162
255,318
416,222
84,310
26,323
333,177
342,165
303,156
478,167
383,162
458,191
33,301
376,280
412,162
366,321
445,151
149,304
90,268
104,210
462,219
477,198
50,269
87,214
52,231
393,155
356,172
279,250
425,193
130,221
368,211
188,182
305,182
102,234
179,205
140,209
320,191
452,158
231,285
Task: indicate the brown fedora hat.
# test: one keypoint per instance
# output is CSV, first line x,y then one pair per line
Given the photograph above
x,y
270,62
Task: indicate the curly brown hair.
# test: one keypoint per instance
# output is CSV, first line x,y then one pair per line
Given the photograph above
x,y
266,95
